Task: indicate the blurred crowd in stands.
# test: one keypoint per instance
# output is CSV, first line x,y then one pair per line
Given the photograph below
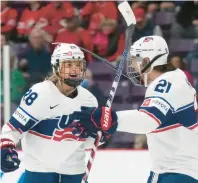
x,y
30,28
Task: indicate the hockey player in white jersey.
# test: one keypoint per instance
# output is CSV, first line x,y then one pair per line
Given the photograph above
x,y
167,115
52,154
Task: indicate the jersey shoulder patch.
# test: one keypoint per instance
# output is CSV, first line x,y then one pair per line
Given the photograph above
x,y
159,103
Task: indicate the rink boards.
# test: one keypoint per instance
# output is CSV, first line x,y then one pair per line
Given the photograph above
x,y
110,166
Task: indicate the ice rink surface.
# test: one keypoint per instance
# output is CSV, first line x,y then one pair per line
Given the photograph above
x,y
110,166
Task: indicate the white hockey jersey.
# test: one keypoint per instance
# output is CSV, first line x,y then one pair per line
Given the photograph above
x,y
173,146
47,142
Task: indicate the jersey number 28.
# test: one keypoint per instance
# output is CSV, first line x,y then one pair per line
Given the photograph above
x,y
163,86
30,97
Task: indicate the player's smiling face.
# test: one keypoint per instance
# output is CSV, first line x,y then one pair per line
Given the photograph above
x,y
71,69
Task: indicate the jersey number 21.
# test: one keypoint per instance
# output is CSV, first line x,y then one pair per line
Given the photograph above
x,y
163,86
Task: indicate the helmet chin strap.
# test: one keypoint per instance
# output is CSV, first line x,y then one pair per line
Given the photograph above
x,y
145,77
72,82
64,92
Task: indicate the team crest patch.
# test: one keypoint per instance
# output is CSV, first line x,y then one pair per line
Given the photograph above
x,y
146,102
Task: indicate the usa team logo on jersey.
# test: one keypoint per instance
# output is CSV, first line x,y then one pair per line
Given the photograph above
x,y
65,135
59,129
63,132
147,39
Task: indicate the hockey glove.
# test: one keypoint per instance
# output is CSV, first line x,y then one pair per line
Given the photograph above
x,y
92,120
9,156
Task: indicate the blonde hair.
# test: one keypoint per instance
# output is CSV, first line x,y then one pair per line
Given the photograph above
x,y
52,77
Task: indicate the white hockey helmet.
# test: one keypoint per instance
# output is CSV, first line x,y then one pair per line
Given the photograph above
x,y
149,51
65,53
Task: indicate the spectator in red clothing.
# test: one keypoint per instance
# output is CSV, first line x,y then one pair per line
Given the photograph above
x,y
108,9
29,19
95,23
8,18
107,39
75,34
177,62
138,4
53,15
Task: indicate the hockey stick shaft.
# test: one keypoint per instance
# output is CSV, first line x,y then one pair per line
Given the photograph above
x,y
103,60
130,20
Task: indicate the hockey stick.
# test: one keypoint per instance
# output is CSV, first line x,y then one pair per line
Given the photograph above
x,y
129,17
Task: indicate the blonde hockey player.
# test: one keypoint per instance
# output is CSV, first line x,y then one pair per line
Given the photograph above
x,y
167,115
51,153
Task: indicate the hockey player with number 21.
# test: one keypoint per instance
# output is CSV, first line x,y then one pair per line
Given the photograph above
x,y
52,154
167,115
